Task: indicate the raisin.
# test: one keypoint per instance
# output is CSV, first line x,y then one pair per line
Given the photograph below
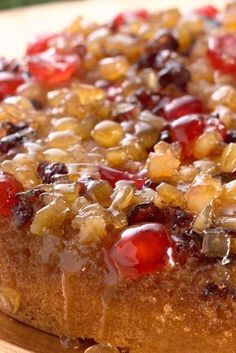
x,y
165,136
49,172
174,74
147,60
230,136
22,214
15,139
147,99
183,218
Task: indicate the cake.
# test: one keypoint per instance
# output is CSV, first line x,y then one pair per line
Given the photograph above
x,y
117,182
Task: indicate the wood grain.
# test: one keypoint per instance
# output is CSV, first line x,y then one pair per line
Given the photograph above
x,y
16,337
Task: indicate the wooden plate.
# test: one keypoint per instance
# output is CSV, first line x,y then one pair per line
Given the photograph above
x,y
18,27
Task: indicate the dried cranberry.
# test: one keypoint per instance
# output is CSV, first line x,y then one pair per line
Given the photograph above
x,y
174,74
148,99
181,106
51,68
12,128
146,60
141,250
207,11
9,187
8,83
123,18
16,138
165,136
144,212
183,218
222,53
49,172
40,44
113,175
213,290
164,40
230,136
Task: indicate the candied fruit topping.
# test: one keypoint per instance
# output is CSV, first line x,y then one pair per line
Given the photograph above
x,y
207,11
49,172
9,188
187,129
141,250
51,68
126,129
125,17
181,106
9,82
222,53
40,44
113,176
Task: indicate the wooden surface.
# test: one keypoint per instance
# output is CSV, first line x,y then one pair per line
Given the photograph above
x,y
16,337
16,28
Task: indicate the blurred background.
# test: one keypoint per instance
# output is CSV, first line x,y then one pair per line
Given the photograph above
x,y
5,4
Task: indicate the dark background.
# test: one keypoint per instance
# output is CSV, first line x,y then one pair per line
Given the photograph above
x,y
4,4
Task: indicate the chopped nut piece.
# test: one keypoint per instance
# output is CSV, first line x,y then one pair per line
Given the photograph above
x,y
167,194
162,165
88,94
113,68
50,218
202,193
207,144
203,220
93,229
228,158
123,194
229,191
224,95
107,133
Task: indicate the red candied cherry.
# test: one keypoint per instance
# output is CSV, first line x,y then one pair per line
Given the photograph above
x,y
40,44
142,250
51,68
188,128
9,187
9,82
181,106
222,53
207,11
122,18
113,175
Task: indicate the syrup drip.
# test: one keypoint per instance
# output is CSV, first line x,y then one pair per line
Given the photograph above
x,y
64,285
110,285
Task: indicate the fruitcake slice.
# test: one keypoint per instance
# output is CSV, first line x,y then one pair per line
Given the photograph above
x,y
117,182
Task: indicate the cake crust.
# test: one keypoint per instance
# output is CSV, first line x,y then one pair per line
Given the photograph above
x,y
169,311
